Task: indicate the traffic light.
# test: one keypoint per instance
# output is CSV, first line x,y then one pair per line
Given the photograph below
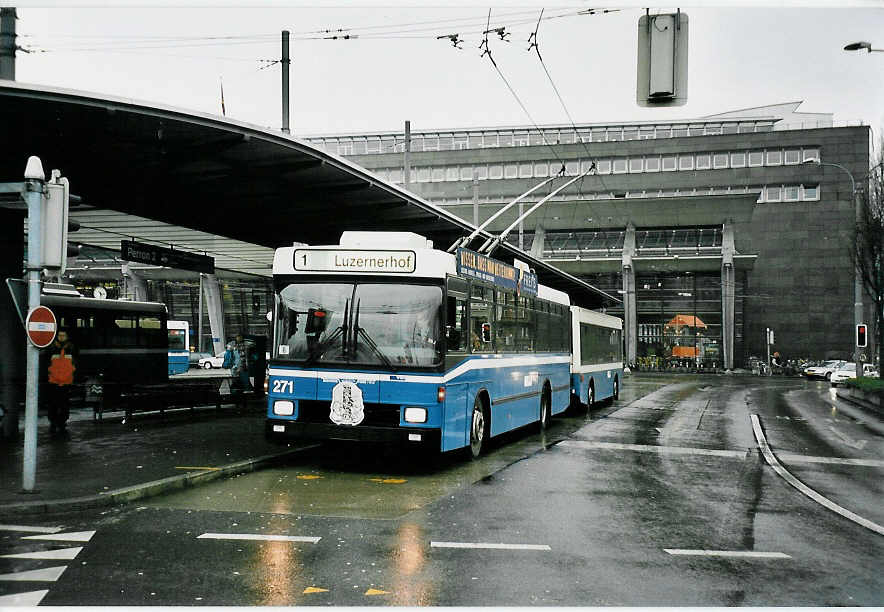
x,y
862,340
55,223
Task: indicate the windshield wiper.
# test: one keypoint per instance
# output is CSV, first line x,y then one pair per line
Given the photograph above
x,y
360,331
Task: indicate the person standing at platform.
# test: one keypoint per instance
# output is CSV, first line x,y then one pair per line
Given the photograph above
x,y
62,365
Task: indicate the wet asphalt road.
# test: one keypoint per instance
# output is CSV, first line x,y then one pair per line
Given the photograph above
x,y
659,499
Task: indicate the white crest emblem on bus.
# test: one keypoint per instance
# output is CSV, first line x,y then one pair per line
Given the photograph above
x,y
347,407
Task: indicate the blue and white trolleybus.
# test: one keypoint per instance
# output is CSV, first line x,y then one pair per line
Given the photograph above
x,y
384,338
179,349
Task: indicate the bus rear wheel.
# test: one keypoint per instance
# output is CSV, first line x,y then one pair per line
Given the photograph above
x,y
545,404
590,397
477,428
616,394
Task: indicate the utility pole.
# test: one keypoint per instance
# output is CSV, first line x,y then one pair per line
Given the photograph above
x,y
285,81
7,43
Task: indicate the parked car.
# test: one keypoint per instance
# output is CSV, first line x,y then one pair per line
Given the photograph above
x,y
212,362
195,358
848,371
824,370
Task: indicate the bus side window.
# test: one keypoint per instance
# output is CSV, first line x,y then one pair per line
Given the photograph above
x,y
456,316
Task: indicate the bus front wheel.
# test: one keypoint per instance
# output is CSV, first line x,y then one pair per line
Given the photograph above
x,y
616,389
477,428
545,404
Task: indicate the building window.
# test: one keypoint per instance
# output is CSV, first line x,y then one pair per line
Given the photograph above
x,y
696,130
713,129
646,133
774,158
525,170
615,134
719,160
423,175
345,148
585,165
520,139
452,173
373,145
460,142
572,168
417,144
445,143
475,141
773,194
505,139
511,171
482,172
495,171
603,166
664,131
566,137
685,162
431,143
811,154
738,160
359,147
636,164
466,173
669,163
489,140
630,133
792,156
652,164
396,175
599,134
679,130
729,128
619,165
536,138
811,192
541,169
704,161
437,175
756,158
790,193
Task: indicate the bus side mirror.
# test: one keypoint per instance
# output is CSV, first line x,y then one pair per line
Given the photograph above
x,y
486,332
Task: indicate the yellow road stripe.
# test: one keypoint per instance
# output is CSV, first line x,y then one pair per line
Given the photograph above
x,y
309,590
376,592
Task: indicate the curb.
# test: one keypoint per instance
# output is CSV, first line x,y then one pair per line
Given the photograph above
x,y
151,488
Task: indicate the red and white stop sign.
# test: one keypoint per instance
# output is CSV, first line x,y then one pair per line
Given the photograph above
x,y
41,326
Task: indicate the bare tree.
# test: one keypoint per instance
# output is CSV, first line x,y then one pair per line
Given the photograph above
x,y
868,251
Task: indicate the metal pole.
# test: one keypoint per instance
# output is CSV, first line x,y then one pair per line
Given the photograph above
x,y
406,155
767,344
475,198
285,81
199,318
34,187
857,281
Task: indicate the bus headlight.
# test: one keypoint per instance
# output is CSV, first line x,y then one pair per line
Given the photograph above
x,y
284,407
415,414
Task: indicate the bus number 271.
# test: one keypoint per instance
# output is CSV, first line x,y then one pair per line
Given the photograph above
x,y
281,386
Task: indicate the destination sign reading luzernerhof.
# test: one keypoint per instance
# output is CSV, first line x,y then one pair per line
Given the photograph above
x,y
475,265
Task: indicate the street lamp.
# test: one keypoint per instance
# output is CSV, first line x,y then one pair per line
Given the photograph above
x,y
857,274
856,46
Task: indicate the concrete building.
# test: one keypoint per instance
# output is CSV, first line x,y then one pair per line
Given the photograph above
x,y
712,229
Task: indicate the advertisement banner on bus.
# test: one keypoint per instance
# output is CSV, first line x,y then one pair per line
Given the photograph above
x,y
475,265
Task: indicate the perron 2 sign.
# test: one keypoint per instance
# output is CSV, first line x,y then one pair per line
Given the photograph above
x,y
161,256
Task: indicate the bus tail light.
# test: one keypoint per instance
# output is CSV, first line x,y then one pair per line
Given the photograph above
x,y
440,395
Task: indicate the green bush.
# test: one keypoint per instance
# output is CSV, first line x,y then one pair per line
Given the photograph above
x,y
871,385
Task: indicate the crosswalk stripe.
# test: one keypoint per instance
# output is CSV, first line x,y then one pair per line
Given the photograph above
x,y
31,598
258,536
47,574
727,553
77,536
61,553
489,545
30,529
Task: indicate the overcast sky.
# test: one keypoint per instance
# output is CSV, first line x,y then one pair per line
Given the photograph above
x,y
397,68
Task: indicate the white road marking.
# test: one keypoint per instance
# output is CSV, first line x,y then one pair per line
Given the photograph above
x,y
30,529
489,545
258,536
728,553
788,477
857,444
47,574
31,598
61,553
76,536
666,450
793,458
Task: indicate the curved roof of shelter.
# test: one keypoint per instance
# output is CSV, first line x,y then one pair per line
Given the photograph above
x,y
215,176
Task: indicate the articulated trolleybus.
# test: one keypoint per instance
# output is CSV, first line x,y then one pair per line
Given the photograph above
x,y
179,349
384,338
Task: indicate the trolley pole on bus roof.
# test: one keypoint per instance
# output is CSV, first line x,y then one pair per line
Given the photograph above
x,y
285,61
35,186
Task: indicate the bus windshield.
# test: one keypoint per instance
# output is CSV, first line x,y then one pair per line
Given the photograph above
x,y
382,325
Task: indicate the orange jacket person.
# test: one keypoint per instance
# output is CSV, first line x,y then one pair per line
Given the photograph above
x,y
62,360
